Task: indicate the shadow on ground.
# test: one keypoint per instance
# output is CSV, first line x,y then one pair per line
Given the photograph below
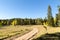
x,y
55,36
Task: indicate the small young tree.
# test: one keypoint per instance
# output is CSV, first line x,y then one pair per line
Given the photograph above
x,y
14,22
45,21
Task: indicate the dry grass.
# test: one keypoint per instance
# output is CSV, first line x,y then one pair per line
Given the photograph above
x,y
8,31
52,30
43,31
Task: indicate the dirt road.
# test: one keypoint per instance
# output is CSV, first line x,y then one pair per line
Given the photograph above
x,y
28,35
39,31
42,30
36,30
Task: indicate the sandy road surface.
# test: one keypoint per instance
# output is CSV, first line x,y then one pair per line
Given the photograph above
x,y
39,30
28,35
42,30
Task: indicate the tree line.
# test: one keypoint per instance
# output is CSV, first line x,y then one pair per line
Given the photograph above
x,y
20,21
49,20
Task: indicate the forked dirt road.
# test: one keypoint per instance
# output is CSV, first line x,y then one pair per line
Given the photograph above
x,y
39,30
28,35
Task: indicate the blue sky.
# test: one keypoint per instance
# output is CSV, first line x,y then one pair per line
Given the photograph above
x,y
27,8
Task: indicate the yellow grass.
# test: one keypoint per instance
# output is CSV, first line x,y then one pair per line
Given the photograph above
x,y
43,31
7,31
13,30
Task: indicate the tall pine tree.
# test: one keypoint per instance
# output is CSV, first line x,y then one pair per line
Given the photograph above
x,y
59,16
50,18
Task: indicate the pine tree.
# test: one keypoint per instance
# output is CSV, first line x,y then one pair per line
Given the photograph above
x,y
50,18
59,16
56,20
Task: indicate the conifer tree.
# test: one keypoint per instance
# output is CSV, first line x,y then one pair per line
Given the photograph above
x,y
50,18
